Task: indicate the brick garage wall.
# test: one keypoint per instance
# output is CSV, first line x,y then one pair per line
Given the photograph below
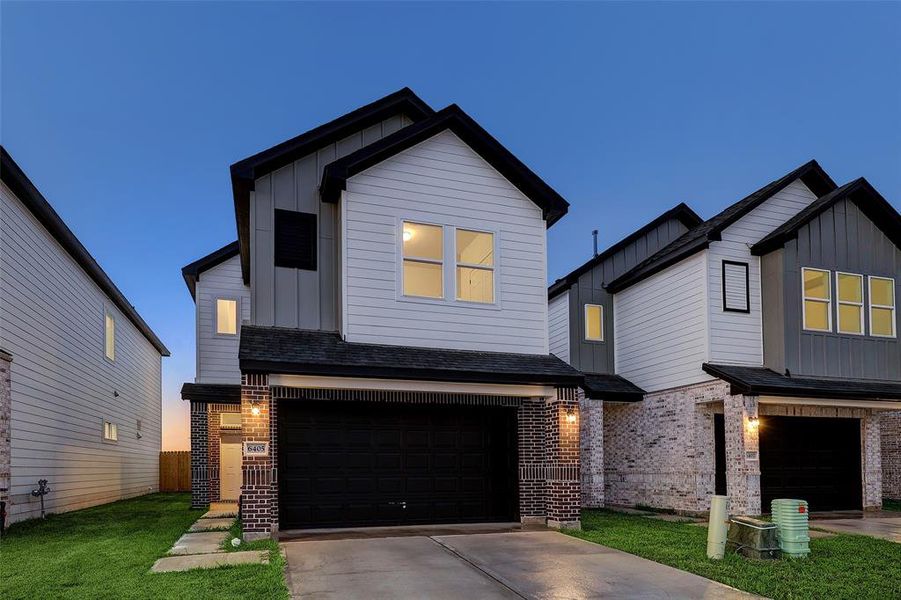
x,y
214,438
200,464
257,494
591,442
891,455
5,415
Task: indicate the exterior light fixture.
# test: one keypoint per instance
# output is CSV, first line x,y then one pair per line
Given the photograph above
x,y
408,235
753,423
570,416
255,408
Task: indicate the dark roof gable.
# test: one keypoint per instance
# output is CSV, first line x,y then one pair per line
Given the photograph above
x,y
191,273
336,174
17,181
697,239
860,192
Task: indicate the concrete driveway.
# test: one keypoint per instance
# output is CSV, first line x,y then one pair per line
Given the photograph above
x,y
543,564
886,525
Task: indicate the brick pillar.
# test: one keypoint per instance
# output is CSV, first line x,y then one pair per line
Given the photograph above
x,y
5,415
742,455
591,442
871,458
563,488
530,421
258,497
890,432
200,478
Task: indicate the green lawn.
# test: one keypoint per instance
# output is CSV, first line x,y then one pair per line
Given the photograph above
x,y
845,566
891,505
107,551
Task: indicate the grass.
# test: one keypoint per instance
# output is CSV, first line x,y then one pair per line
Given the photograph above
x,y
891,504
107,551
844,566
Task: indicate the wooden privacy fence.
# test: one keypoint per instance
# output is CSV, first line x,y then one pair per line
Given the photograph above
x,y
175,471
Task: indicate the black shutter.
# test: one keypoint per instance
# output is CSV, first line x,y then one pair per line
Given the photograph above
x,y
295,240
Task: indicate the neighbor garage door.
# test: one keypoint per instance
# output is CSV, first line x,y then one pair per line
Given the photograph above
x,y
345,464
813,459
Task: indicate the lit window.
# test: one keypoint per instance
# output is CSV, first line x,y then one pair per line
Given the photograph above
x,y
109,338
594,323
423,252
110,431
475,266
817,307
226,316
849,291
882,306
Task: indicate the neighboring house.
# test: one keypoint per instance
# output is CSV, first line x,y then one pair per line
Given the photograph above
x,y
373,350
80,391
753,354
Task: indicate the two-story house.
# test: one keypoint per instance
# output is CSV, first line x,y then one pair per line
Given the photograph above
x,y
80,370
754,353
373,349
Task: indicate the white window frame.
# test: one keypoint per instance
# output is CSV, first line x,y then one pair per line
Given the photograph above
x,y
110,431
586,337
109,345
839,302
404,259
892,306
492,268
828,300
237,302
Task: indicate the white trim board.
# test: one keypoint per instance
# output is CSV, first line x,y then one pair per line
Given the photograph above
x,y
405,385
831,402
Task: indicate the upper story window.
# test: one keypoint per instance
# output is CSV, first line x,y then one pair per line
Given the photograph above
x,y
817,305
736,291
226,316
475,266
109,336
594,323
295,239
110,431
882,307
423,256
849,292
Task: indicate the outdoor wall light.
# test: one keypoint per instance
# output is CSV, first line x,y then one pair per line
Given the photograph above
x,y
570,416
753,423
255,408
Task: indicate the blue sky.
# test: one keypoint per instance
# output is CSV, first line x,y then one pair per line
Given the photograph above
x,y
127,116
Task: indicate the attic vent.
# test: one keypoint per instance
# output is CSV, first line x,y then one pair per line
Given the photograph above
x,y
295,240
736,291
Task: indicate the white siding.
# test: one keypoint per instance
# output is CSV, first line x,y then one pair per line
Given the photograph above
x,y
442,181
661,327
52,322
737,338
558,326
217,355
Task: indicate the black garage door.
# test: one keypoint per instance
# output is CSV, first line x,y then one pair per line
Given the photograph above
x,y
813,459
346,464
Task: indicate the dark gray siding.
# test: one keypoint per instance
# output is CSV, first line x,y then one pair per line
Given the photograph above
x,y
772,292
840,239
597,357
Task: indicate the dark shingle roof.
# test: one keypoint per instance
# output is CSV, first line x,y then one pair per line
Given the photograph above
x,y
303,352
611,387
217,393
859,191
760,380
700,237
191,273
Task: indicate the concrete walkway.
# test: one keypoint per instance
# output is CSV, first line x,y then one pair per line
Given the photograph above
x,y
544,565
885,527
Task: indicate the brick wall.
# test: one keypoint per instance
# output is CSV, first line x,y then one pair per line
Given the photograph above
x,y
591,441
530,419
564,490
5,415
200,478
890,426
257,493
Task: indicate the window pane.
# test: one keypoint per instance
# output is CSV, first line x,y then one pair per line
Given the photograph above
x,y
849,318
110,337
475,248
226,316
882,321
423,241
850,288
816,315
423,279
882,291
816,284
594,328
475,285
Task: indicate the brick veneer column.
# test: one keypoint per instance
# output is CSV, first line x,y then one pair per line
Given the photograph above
x,y
257,494
890,432
564,493
871,457
742,455
200,478
530,420
5,415
591,441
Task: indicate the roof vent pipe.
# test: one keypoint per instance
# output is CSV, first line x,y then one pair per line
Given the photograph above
x,y
594,235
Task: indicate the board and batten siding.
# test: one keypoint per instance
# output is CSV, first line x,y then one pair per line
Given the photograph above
x,y
63,387
558,326
217,355
442,181
661,327
287,297
737,338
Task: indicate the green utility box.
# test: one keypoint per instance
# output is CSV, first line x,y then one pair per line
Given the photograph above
x,y
790,517
753,538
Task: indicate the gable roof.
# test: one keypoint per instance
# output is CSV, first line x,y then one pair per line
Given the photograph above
x,y
13,176
336,174
860,192
681,212
699,238
191,273
245,172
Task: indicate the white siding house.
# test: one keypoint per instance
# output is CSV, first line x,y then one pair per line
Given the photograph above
x,y
217,354
67,393
558,326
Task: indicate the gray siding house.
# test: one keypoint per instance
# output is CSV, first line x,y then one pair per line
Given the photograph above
x,y
80,395
753,354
